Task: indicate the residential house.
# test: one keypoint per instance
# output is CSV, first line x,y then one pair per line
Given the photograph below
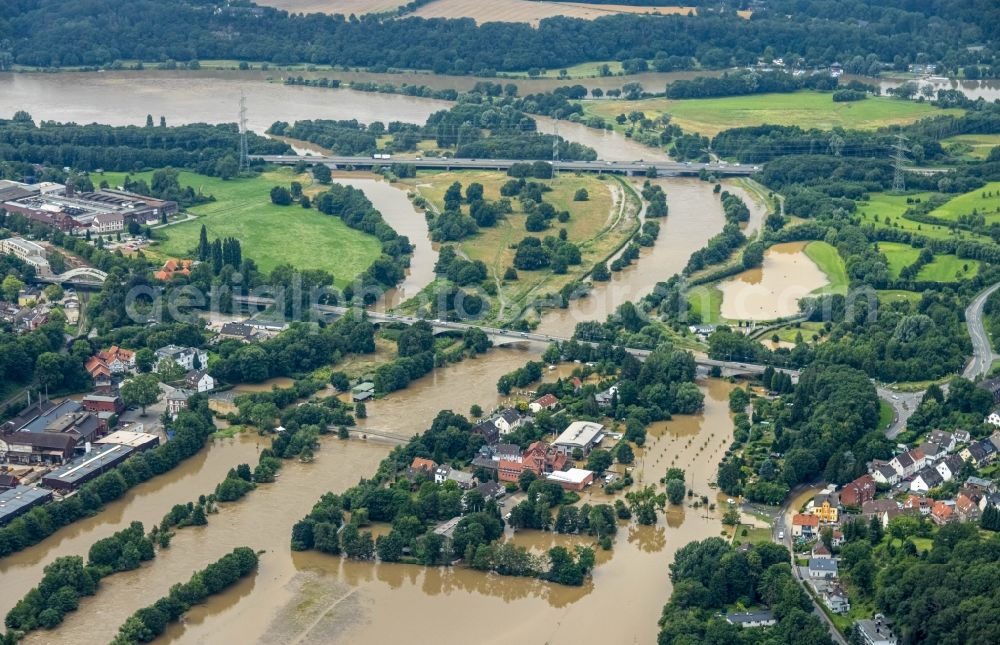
x,y
883,473
825,506
993,419
805,525
752,619
539,458
985,485
858,492
909,462
837,539
819,550
962,436
944,439
546,402
116,359
607,397
877,631
177,400
967,508
491,491
464,480
989,499
822,568
422,467
991,385
577,384
488,430
189,358
949,467
832,594
995,439
926,479
508,421
579,435
919,503
237,331
173,267
29,296
200,381
32,318
932,452
943,512
98,369
878,507
980,453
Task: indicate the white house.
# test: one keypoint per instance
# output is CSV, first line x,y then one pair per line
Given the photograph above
x,y
885,474
183,356
508,421
993,419
822,568
752,619
200,381
949,467
925,480
947,440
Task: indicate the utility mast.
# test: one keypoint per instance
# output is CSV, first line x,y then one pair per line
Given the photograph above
x,y
244,159
899,159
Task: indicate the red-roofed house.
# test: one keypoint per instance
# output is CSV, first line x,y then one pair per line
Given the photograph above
x,y
943,512
804,525
547,402
968,509
858,492
421,466
116,359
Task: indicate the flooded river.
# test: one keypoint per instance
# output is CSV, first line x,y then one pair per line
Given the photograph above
x,y
774,289
313,598
304,598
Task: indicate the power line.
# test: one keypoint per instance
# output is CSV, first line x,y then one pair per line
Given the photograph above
x,y
899,160
244,157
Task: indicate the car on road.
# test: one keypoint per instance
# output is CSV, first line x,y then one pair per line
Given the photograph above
x,y
781,535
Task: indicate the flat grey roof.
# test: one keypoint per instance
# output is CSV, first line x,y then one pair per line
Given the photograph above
x,y
15,500
100,457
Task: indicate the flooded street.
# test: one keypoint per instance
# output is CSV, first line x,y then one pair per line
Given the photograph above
x,y
774,289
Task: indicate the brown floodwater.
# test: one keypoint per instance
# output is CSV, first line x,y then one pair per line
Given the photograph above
x,y
125,98
313,598
695,215
774,289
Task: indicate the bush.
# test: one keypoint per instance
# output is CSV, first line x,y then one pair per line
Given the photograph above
x,y
581,195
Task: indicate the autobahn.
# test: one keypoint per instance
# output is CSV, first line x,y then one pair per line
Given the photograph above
x,y
663,168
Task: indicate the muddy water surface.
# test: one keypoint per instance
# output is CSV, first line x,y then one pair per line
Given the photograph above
x,y
773,290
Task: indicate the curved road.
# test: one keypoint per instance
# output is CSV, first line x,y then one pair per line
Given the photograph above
x,y
982,351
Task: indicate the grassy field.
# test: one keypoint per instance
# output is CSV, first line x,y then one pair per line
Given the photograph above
x,y
944,268
806,109
790,333
595,226
706,303
270,235
829,262
898,295
885,414
883,211
985,201
973,146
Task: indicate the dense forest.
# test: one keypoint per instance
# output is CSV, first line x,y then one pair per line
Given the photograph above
x,y
47,33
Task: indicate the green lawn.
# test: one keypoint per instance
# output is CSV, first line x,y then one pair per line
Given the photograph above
x,y
270,235
806,109
944,268
985,201
896,295
706,303
829,262
883,210
885,414
975,146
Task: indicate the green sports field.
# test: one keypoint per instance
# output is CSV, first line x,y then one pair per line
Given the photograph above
x,y
270,235
806,109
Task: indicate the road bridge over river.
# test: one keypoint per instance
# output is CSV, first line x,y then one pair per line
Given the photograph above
x,y
501,337
663,168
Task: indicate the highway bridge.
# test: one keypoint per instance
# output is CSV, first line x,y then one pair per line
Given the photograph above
x,y
663,168
501,337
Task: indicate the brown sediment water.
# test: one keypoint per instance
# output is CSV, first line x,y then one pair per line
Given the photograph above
x,y
695,215
774,289
315,598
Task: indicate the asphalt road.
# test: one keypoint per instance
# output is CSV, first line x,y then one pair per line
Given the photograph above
x,y
982,352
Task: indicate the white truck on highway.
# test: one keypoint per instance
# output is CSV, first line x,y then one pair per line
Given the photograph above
x,y
379,155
